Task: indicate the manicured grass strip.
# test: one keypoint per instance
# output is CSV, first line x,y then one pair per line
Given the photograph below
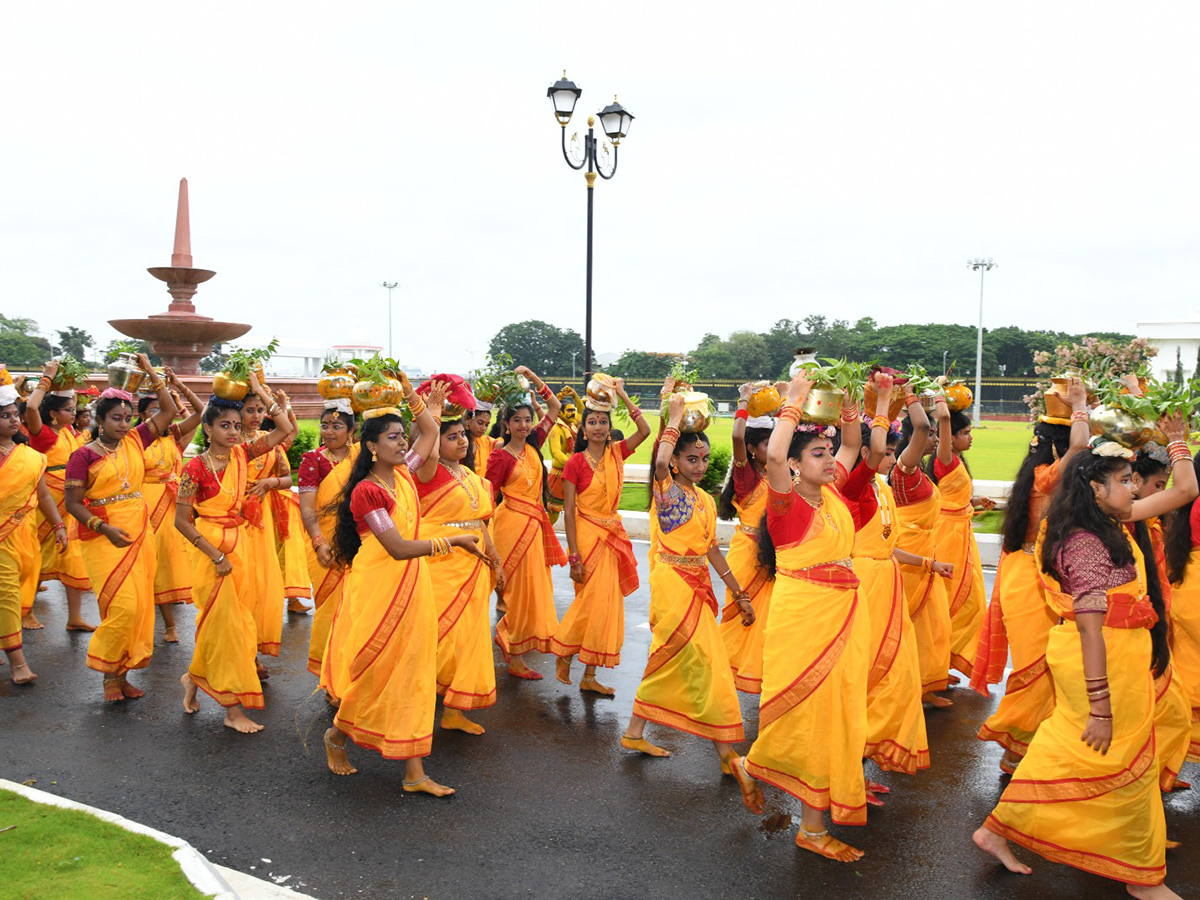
x,y
54,854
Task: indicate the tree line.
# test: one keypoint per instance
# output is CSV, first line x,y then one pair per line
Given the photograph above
x,y
1007,351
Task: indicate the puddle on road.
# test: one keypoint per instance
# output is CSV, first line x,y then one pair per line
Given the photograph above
x,y
775,823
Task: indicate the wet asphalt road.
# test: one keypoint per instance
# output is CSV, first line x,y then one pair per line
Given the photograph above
x,y
548,805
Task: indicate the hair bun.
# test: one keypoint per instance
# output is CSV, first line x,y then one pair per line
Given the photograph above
x,y
214,400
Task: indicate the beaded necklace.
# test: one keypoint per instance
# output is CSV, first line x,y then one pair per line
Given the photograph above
x,y
115,452
472,492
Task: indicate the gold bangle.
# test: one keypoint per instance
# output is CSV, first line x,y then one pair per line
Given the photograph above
x,y
416,406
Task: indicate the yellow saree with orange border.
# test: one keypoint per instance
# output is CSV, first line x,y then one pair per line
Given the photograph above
x,y
1185,653
264,565
956,544
328,584
1067,802
925,591
744,643
66,567
20,557
687,683
812,719
593,627
382,658
123,577
226,643
164,464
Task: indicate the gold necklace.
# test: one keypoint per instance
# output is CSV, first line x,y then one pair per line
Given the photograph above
x,y
465,484
116,454
4,451
219,474
819,506
523,459
395,493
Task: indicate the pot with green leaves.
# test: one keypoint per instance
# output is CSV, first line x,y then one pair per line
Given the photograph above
x,y
895,402
823,405
375,393
70,373
227,387
124,373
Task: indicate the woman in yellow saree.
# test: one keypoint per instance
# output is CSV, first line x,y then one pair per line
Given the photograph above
x,y
118,544
478,421
956,541
1018,621
261,482
522,531
456,501
744,497
160,488
1086,793
687,684
561,443
382,660
323,474
603,567
48,419
918,512
813,710
896,737
208,514
22,487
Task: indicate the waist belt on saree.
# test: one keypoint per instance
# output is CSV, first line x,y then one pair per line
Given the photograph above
x,y
748,530
673,559
474,524
116,498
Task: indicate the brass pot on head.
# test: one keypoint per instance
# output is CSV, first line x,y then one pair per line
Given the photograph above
x,y
1115,424
124,373
823,405
764,401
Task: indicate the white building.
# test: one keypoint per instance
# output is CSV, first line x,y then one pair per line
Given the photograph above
x,y
1173,336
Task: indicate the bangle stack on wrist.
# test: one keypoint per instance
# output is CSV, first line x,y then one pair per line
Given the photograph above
x,y
881,422
670,435
1178,451
1080,415
440,546
575,559
790,414
94,523
849,414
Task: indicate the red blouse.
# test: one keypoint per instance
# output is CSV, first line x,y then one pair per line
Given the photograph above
x,y
501,463
44,439
788,521
579,473
199,483
85,457
745,479
942,471
909,489
314,466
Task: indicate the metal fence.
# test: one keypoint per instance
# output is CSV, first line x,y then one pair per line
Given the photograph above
x,y
1001,396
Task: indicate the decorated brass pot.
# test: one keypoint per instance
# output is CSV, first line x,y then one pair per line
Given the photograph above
x,y
124,373
1115,424
928,401
958,396
765,401
230,388
697,414
373,396
601,389
336,384
895,405
823,405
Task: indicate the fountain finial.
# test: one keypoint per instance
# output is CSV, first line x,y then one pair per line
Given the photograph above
x,y
183,230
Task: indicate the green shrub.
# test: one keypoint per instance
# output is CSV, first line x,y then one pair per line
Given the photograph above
x,y
306,439
718,466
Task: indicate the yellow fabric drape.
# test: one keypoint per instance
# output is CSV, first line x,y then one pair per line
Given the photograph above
x,y
522,534
66,567
123,576
813,711
1099,813
262,558
173,577
1029,691
687,683
382,658
594,625
466,671
744,644
896,737
928,605
291,540
956,544
226,634
328,584
20,558
1185,654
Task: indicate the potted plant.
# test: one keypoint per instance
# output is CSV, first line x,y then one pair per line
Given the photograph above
x,y
233,382
377,384
832,380
697,405
337,380
70,372
1132,419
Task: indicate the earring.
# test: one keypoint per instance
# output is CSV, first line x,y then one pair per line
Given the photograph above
x,y
374,456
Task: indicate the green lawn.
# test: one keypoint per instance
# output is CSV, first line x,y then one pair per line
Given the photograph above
x,y
996,455
54,854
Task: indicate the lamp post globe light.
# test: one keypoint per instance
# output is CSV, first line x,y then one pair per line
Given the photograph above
x,y
982,266
615,121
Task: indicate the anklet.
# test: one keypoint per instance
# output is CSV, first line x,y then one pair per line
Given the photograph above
x,y
420,780
813,835
331,745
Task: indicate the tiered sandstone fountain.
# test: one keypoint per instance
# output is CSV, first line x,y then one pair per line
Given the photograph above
x,y
180,336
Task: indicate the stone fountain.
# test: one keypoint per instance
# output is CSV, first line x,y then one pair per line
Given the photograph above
x,y
180,336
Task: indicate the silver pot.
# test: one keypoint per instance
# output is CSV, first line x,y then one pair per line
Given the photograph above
x,y
124,373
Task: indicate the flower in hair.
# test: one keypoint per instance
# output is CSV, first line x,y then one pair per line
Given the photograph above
x,y
827,431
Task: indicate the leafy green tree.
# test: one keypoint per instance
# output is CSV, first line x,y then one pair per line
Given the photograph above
x,y
543,347
20,345
640,364
1178,365
75,341
215,361
129,345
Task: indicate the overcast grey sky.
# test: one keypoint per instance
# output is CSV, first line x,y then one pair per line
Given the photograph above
x,y
788,158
